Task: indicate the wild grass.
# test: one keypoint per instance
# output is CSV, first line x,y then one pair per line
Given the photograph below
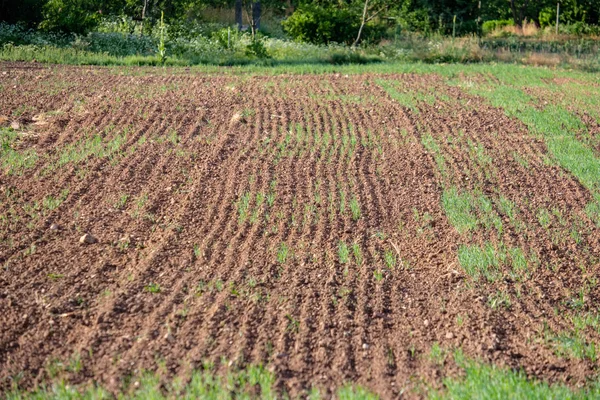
x,y
343,252
355,209
152,288
283,253
14,161
483,381
357,253
556,125
571,344
254,381
486,261
459,210
95,146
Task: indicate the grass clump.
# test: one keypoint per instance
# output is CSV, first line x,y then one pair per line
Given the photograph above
x,y
486,260
252,382
482,381
283,253
459,209
343,252
355,209
12,161
152,288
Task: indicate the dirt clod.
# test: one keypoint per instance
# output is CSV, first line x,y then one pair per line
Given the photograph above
x,y
87,239
237,118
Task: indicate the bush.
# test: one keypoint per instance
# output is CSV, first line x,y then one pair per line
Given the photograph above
x,y
77,16
322,24
490,26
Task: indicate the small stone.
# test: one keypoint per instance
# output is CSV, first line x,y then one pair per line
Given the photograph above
x,y
237,118
449,335
25,316
15,125
426,322
87,239
365,346
168,337
54,227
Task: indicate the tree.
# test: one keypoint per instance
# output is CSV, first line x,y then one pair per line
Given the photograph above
x,y
28,11
371,9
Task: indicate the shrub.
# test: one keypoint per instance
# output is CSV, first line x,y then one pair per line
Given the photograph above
x,y
322,24
493,25
77,16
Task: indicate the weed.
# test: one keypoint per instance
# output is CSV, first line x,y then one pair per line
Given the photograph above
x,y
357,254
390,258
121,202
459,210
437,355
283,253
152,288
343,252
378,275
479,261
499,299
243,206
293,324
354,208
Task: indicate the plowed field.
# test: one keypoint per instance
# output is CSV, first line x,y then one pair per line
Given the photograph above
x,y
333,228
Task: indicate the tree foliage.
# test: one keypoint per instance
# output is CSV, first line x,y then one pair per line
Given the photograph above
x,y
316,21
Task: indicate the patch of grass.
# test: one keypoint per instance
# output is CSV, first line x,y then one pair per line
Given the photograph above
x,y
432,146
499,299
486,261
283,253
350,392
389,257
255,381
556,125
378,275
343,252
95,146
121,201
357,254
293,324
479,261
13,161
437,354
483,381
243,206
355,209
459,210
571,344
152,288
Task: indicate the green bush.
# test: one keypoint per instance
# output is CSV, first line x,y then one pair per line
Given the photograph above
x,y
77,16
322,24
490,26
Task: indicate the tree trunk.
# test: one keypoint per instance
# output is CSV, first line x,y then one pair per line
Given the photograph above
x,y
144,10
362,23
256,14
518,12
238,14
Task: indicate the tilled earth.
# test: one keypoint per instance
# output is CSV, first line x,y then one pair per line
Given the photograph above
x,y
221,205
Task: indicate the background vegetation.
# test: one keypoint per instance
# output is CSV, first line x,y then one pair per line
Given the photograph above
x,y
118,32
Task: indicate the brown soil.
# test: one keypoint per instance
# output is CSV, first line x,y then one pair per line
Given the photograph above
x,y
180,228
